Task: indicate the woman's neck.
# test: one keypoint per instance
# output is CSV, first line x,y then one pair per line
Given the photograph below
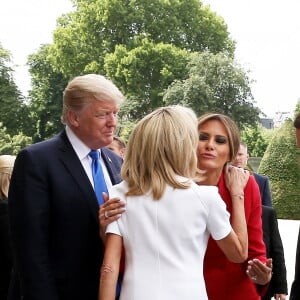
x,y
211,177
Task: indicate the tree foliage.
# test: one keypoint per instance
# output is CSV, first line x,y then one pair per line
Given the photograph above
x,y
280,165
257,139
144,47
46,96
13,110
144,73
84,37
297,109
12,144
215,82
141,45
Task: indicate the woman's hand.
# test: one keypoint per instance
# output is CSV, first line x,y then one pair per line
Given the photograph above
x,y
236,179
259,272
109,211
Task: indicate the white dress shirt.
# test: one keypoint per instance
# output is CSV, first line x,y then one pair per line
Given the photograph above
x,y
82,152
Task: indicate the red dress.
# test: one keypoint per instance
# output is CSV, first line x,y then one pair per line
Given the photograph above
x,y
224,279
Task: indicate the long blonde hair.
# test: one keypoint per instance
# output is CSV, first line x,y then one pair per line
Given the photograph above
x,y
6,167
161,146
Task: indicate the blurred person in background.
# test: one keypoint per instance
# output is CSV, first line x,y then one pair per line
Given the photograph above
x,y
278,284
118,145
6,258
295,289
241,161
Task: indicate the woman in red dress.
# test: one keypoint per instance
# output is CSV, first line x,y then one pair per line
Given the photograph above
x,y
218,143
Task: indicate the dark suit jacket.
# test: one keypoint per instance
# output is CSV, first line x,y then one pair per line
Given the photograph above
x,y
272,239
5,250
295,290
54,222
264,187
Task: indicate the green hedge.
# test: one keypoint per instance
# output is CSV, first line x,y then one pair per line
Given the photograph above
x,y
280,164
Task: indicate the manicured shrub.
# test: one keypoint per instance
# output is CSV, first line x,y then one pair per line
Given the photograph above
x,y
280,164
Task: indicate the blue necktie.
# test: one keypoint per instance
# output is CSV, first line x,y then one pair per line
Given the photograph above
x,y
98,177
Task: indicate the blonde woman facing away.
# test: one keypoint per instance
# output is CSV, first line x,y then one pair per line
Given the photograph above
x,y
168,217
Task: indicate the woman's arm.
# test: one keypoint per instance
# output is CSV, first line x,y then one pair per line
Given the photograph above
x,y
235,245
110,267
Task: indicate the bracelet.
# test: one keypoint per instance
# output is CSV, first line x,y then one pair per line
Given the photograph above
x,y
240,196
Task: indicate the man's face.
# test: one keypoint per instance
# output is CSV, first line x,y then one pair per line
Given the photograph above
x,y
241,158
96,123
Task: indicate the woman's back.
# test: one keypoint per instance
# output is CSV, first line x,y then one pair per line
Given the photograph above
x,y
165,241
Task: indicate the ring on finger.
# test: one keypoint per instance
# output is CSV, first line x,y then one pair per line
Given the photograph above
x,y
106,215
254,277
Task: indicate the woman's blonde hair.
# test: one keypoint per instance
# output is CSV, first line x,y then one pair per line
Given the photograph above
x,y
162,145
231,128
6,167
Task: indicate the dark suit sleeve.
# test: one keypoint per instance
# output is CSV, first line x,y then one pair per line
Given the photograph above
x,y
276,252
295,290
266,193
29,211
5,250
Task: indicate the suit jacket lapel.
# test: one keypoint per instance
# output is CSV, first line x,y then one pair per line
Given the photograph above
x,y
73,165
113,170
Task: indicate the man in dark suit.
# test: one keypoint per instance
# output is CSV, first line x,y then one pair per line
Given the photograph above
x,y
295,290
53,208
272,239
241,161
264,188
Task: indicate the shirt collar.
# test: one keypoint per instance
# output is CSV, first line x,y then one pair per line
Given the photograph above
x,y
81,149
